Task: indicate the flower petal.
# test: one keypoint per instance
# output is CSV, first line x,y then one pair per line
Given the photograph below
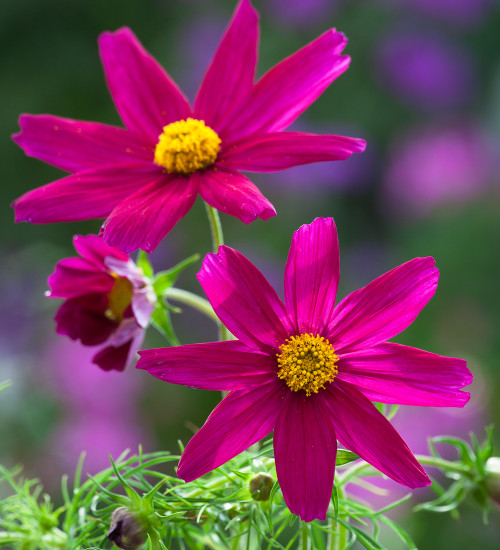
x,y
281,150
219,366
85,195
241,419
122,348
145,96
391,373
94,250
75,276
383,308
75,145
82,318
111,358
285,91
366,432
243,300
312,276
305,448
234,194
144,218
232,71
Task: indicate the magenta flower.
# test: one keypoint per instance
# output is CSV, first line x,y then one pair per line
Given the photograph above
x,y
307,369
146,177
109,301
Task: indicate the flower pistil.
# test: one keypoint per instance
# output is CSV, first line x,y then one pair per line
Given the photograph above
x,y
119,298
186,146
307,362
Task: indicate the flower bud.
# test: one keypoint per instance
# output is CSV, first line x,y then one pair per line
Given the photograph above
x,y
260,486
492,480
126,530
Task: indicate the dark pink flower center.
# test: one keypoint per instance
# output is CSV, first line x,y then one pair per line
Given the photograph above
x,y
186,146
307,363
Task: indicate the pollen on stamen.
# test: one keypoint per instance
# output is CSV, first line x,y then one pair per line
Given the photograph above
x,y
307,362
119,298
186,146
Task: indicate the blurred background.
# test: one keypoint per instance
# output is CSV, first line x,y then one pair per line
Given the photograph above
x,y
423,90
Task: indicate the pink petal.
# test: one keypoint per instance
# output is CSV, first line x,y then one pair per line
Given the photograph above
x,y
113,358
74,145
231,73
214,366
312,276
391,373
383,308
366,432
85,195
144,218
95,250
239,420
232,193
145,96
305,448
288,89
281,150
82,318
243,300
76,276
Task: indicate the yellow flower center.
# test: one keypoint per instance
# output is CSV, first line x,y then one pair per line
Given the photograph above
x,y
307,363
119,298
186,146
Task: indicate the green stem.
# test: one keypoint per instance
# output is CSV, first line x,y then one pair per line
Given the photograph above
x,y
305,537
215,228
193,300
217,241
445,465
337,539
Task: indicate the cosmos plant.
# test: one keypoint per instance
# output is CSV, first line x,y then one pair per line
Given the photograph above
x,y
321,375
145,177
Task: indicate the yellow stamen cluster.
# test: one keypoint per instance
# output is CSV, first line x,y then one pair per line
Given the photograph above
x,y
307,363
119,298
186,146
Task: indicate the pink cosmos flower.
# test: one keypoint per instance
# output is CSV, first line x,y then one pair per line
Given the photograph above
x,y
109,301
146,177
307,369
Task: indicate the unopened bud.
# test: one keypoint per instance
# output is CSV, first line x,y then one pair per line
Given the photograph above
x,y
126,530
260,486
492,480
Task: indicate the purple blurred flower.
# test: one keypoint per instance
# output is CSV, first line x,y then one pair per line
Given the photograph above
x,y
438,164
462,12
425,70
108,304
302,13
95,420
309,369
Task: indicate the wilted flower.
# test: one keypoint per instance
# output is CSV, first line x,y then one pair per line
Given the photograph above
x,y
307,369
108,304
146,177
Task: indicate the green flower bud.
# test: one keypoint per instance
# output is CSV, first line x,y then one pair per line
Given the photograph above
x,y
260,486
492,480
126,530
